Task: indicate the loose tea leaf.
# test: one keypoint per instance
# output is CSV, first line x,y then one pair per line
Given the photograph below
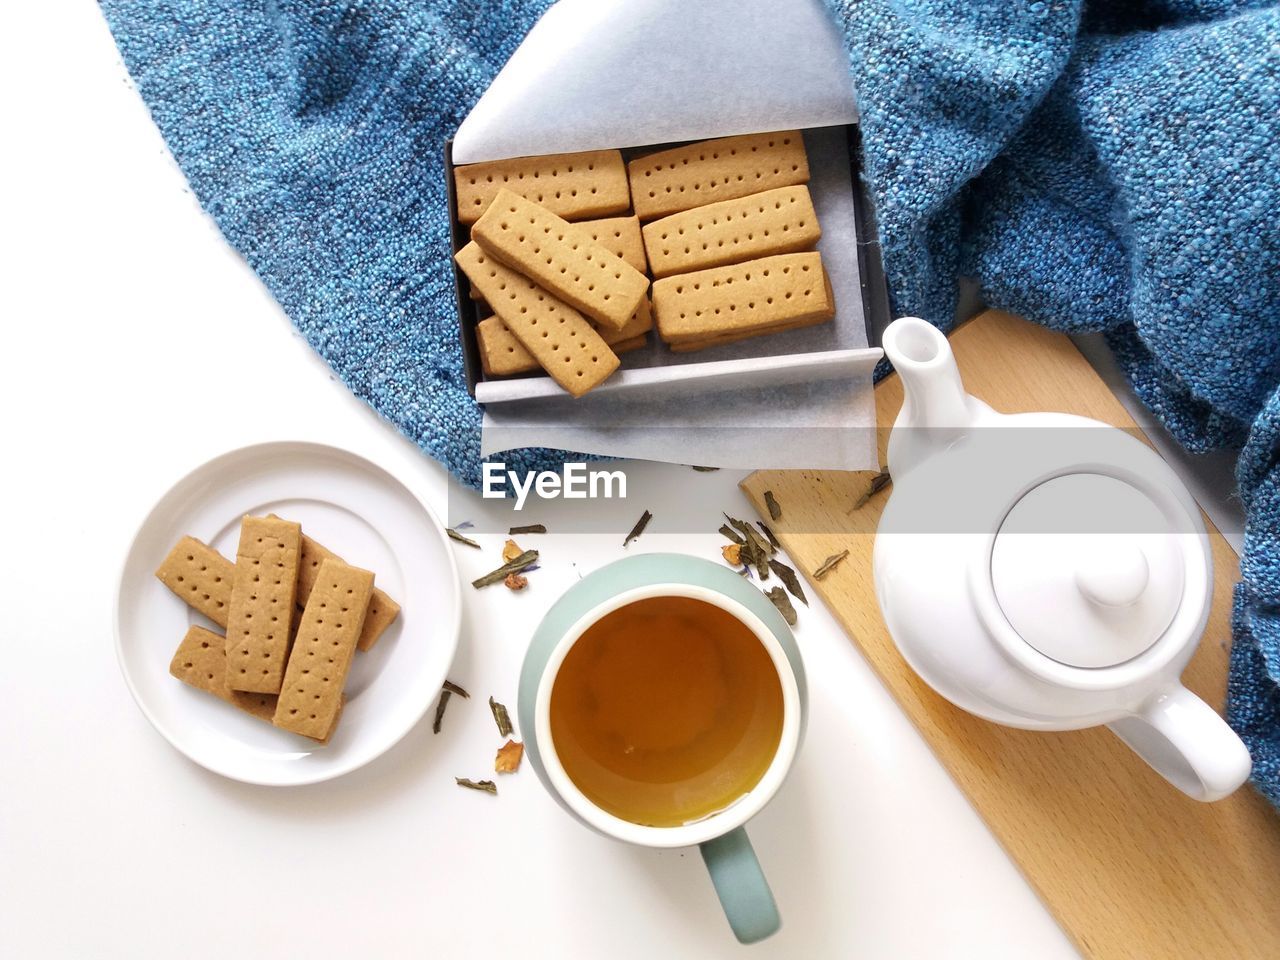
x,y
443,702
515,581
730,533
759,543
488,786
753,556
510,550
529,528
706,469
761,563
638,528
522,562
878,483
742,528
509,757
773,541
760,549
830,564
732,553
455,535
783,603
500,717
788,576
775,508
454,688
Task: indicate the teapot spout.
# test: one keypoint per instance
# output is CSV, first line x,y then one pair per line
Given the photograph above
x,y
934,404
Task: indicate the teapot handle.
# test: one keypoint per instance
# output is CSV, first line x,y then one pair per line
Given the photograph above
x,y
1185,741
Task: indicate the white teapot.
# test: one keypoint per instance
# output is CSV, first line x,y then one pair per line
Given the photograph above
x,y
1046,571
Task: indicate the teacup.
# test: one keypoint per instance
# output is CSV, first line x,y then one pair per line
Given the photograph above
x,y
740,884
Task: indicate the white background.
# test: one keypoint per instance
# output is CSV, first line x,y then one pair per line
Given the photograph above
x,y
128,325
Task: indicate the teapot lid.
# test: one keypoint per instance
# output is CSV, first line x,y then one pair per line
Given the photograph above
x,y
1087,570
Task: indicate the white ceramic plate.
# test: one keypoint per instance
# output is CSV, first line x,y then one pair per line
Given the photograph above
x,y
359,511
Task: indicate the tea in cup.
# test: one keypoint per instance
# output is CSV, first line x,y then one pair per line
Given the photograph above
x,y
663,702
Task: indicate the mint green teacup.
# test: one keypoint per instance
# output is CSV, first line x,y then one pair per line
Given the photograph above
x,y
744,893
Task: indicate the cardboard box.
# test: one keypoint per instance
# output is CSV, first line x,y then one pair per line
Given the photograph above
x,y
874,295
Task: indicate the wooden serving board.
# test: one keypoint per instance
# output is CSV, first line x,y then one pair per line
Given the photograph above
x,y
1130,867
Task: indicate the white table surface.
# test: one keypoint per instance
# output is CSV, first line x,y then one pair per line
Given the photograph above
x,y
114,845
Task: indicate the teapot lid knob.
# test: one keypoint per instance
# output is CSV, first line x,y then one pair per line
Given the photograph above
x,y
1088,570
1116,578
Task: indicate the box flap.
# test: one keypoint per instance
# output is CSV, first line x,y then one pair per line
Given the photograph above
x,y
595,74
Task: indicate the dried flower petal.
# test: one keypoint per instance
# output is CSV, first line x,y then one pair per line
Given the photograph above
x,y
509,756
510,550
732,553
756,550
516,581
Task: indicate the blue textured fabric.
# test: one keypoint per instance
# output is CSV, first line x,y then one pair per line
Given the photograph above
x,y
313,132
1106,167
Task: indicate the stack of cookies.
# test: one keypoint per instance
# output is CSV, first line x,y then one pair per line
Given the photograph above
x,y
294,615
566,297
559,256
731,239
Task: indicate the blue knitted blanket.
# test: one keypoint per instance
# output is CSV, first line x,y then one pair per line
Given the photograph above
x,y
1107,167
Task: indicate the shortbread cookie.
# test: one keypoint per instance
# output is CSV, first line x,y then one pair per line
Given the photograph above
x,y
535,242
201,662
502,355
618,235
714,170
626,346
331,624
260,611
692,346
743,298
557,336
761,225
200,576
576,186
640,323
382,609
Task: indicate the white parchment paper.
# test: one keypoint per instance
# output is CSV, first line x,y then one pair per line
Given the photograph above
x,y
596,74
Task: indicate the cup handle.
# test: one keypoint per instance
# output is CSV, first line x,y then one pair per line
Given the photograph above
x,y
740,884
1186,742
